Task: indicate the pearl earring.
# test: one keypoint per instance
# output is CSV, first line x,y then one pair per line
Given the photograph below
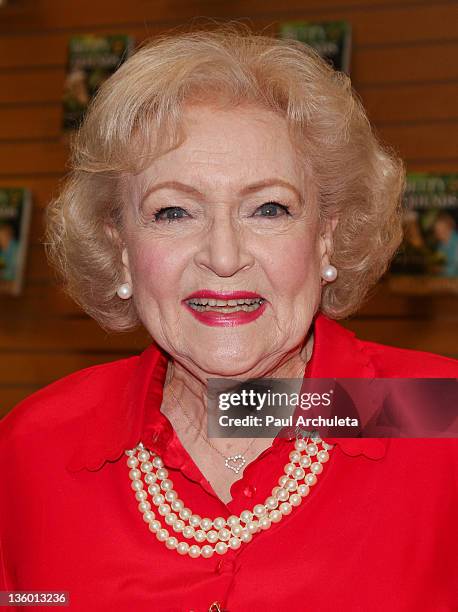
x,y
125,291
329,273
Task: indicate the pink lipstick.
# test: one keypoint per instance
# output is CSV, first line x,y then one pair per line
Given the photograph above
x,y
225,308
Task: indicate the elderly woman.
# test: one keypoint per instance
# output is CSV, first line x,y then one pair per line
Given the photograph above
x,y
227,192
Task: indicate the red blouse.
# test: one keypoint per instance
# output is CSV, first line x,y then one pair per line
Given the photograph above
x,y
378,532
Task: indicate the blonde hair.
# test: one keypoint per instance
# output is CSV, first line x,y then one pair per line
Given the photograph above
x,y
137,115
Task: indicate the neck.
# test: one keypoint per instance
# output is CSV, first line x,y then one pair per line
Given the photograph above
x,y
185,392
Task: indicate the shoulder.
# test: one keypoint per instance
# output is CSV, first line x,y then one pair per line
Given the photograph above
x,y
393,361
341,348
67,400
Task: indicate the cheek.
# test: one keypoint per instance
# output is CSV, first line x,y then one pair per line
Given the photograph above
x,y
295,266
156,270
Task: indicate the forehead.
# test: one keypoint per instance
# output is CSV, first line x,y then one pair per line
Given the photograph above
x,y
229,146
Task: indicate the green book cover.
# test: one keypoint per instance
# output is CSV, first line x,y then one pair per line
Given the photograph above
x,y
331,39
430,246
15,210
91,60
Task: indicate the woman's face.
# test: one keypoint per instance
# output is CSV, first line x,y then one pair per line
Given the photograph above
x,y
442,230
200,220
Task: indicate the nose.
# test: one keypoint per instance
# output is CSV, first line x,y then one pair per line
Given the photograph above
x,y
224,250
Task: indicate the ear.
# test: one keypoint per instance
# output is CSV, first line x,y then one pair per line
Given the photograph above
x,y
327,239
115,238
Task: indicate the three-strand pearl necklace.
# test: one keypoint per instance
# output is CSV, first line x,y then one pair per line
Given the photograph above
x,y
150,480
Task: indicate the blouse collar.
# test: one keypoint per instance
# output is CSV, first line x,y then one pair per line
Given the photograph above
x,y
137,416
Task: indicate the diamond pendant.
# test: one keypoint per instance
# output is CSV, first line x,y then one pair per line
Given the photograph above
x,y
235,463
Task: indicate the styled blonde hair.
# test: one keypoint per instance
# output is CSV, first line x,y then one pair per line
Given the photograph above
x,y
137,116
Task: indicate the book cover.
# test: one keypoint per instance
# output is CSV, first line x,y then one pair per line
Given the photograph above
x,y
15,211
428,258
91,60
331,39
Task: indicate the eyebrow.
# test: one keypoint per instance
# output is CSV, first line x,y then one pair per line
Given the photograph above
x,y
270,183
179,186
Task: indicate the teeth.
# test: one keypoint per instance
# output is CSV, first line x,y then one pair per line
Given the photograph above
x,y
224,303
225,306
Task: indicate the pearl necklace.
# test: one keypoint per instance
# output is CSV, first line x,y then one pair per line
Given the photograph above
x,y
220,535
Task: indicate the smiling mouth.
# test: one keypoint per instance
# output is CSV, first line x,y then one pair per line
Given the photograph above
x,y
225,306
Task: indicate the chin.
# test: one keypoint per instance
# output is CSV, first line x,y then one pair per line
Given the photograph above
x,y
226,365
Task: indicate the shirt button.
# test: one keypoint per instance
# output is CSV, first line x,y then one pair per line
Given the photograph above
x,y
249,491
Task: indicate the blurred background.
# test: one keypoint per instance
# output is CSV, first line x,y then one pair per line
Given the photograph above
x,y
402,56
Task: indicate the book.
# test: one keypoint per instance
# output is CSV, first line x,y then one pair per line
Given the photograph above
x,y
331,39
91,60
15,212
427,260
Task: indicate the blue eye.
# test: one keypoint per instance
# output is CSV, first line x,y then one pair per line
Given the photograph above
x,y
272,208
169,213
